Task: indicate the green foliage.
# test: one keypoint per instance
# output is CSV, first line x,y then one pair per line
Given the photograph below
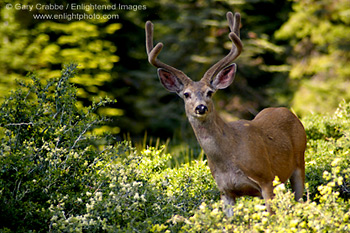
x,y
136,192
328,150
328,214
44,149
317,33
27,44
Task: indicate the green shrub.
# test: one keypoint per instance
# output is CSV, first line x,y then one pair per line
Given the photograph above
x,y
45,151
328,141
135,193
329,214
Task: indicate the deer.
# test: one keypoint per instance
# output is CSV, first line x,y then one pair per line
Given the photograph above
x,y
244,156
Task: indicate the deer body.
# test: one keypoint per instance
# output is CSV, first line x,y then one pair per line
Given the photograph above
x,y
244,156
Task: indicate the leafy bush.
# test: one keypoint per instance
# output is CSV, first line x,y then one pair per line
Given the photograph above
x,y
329,214
134,193
57,175
328,143
45,151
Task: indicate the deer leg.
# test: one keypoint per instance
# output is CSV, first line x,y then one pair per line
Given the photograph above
x,y
267,193
228,203
297,182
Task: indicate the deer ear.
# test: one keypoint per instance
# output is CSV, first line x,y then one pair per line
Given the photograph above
x,y
225,77
170,81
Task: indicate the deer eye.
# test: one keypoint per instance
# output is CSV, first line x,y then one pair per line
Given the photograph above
x,y
187,95
210,93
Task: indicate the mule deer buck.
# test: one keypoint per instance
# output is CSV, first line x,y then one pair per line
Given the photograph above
x,y
244,156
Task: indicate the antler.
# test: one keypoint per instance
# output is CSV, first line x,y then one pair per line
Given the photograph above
x,y
153,53
237,46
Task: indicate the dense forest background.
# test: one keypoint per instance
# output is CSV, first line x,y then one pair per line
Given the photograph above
x,y
296,54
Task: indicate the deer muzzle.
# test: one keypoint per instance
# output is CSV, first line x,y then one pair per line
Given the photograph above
x,y
201,109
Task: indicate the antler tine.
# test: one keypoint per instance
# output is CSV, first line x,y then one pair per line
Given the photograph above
x,y
234,27
237,46
153,53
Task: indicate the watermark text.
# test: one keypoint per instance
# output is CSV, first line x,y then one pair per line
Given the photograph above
x,y
75,11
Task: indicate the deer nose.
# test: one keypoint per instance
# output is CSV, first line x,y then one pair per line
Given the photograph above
x,y
201,109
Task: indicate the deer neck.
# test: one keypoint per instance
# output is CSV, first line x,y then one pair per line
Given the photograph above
x,y
212,134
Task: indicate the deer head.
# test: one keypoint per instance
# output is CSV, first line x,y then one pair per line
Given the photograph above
x,y
197,95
